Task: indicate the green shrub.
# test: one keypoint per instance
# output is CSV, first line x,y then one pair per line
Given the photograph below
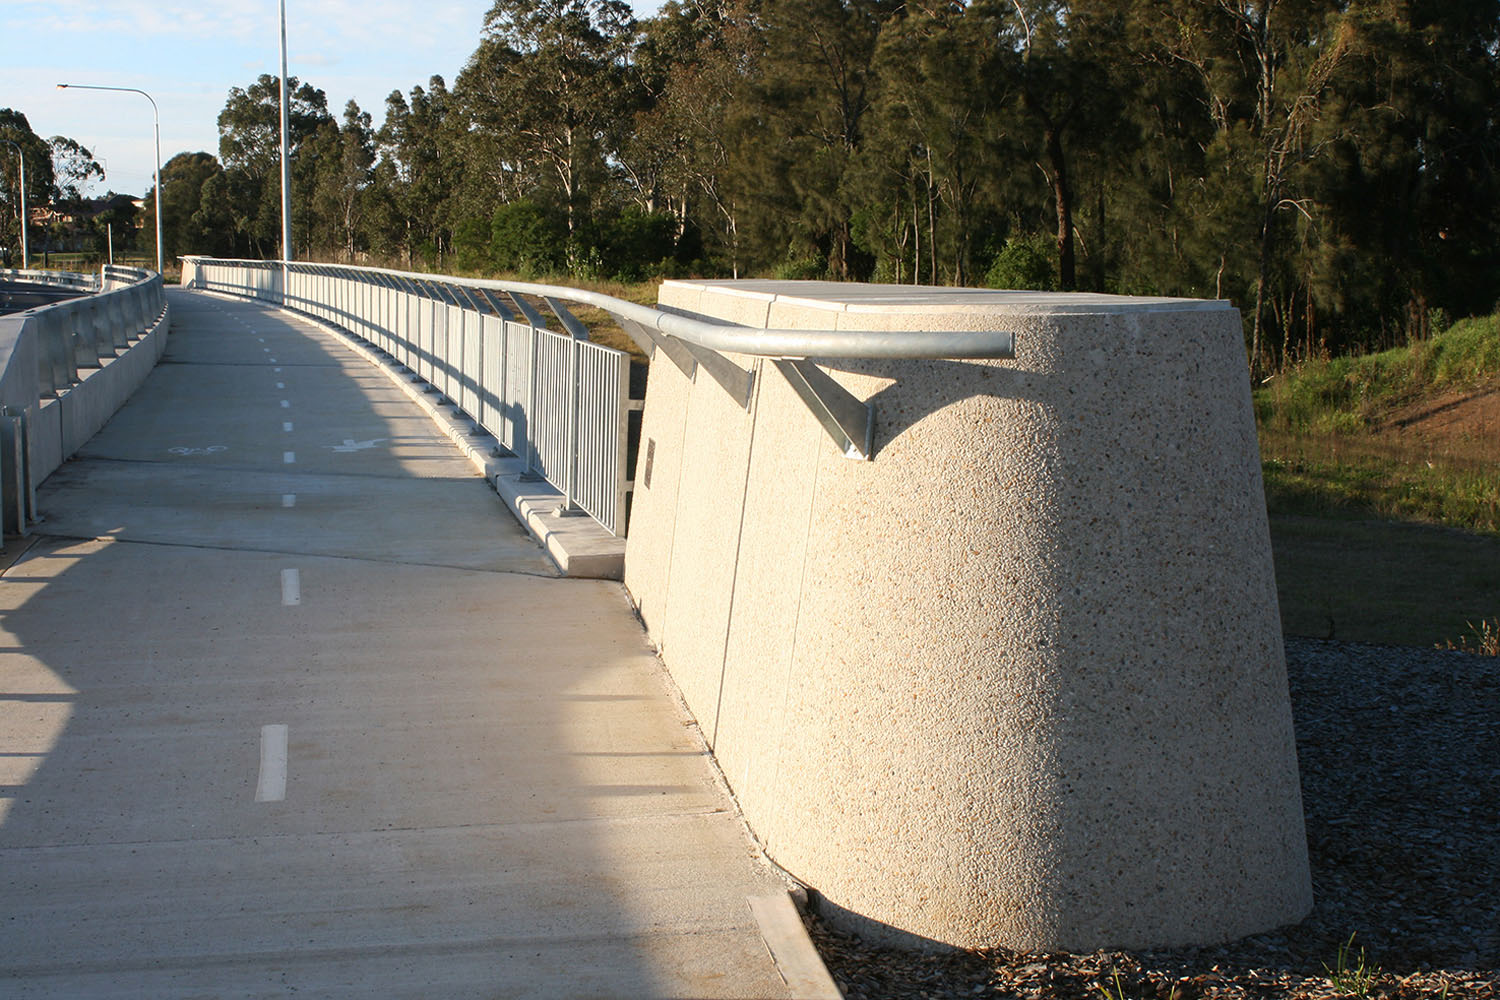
x,y
471,244
636,245
1468,352
528,239
801,264
1025,262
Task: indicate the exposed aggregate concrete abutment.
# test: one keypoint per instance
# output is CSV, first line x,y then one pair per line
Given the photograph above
x,y
1019,680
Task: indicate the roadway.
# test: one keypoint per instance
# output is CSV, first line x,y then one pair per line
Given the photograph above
x,y
19,296
289,704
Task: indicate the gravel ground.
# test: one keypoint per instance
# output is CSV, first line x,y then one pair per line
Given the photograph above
x,y
1399,752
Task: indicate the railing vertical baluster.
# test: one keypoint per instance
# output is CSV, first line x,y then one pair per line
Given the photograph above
x,y
531,421
570,474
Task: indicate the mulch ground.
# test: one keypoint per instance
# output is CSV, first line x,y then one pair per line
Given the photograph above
x,y
1399,751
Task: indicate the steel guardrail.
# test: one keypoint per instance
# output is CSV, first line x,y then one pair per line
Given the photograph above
x,y
52,279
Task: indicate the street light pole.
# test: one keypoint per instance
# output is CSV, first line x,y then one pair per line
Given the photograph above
x,y
25,247
286,170
157,172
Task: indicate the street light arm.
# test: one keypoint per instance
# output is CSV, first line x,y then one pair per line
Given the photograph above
x,y
123,90
156,119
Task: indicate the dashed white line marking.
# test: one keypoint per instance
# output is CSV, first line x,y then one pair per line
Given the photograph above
x,y
286,404
288,457
286,425
291,588
273,361
272,784
281,385
277,370
288,499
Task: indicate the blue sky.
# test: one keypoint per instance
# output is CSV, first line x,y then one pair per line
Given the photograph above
x,y
188,55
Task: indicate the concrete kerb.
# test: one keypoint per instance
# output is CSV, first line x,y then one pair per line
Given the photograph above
x,y
779,916
580,546
786,938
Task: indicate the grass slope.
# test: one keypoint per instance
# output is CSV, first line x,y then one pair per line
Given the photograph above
x,y
1383,483
1408,434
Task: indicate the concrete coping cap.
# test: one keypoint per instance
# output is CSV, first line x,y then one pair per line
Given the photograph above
x,y
850,297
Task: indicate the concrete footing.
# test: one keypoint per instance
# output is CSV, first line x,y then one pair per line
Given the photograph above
x,y
1017,681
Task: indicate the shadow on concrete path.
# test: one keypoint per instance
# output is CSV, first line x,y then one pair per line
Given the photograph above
x,y
289,704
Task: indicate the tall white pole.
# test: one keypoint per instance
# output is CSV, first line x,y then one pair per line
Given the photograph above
x,y
156,173
158,184
286,171
25,247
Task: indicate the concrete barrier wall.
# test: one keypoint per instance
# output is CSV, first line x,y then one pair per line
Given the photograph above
x,y
1017,681
64,371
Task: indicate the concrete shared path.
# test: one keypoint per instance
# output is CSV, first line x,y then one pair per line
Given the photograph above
x,y
290,705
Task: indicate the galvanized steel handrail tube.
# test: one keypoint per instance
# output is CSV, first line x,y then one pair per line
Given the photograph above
x,y
726,337
557,400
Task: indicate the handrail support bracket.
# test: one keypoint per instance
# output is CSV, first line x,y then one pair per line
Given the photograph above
x,y
731,377
847,419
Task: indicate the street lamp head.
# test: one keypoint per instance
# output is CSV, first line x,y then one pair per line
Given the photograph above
x,y
62,86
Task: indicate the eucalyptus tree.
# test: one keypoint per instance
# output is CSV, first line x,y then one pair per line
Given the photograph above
x,y
195,216
73,169
1268,72
550,77
942,118
343,182
698,61
1422,142
249,149
1070,107
15,129
814,87
423,166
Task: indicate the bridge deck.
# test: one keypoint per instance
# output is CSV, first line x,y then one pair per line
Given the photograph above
x,y
289,704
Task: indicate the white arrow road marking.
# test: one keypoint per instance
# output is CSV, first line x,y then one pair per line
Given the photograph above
x,y
352,445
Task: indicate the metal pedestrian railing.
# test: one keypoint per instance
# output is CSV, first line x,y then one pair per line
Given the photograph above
x,y
553,397
52,279
556,400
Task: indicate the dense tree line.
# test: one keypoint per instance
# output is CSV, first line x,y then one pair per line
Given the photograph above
x,y
58,173
1329,165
